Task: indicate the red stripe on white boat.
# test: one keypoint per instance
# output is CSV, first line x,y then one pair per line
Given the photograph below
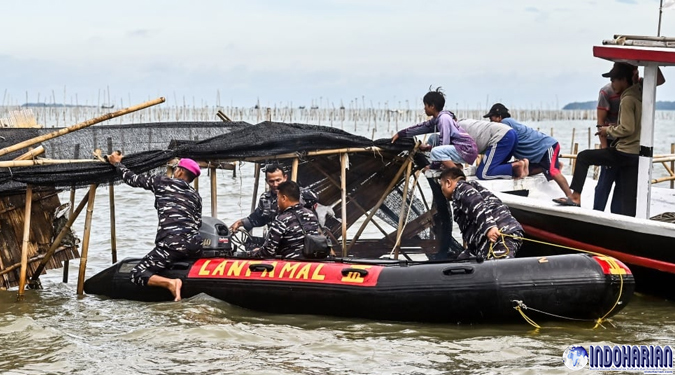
x,y
627,258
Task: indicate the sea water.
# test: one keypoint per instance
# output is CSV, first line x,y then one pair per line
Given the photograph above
x,y
53,331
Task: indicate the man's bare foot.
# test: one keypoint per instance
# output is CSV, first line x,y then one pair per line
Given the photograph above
x,y
526,168
518,169
174,288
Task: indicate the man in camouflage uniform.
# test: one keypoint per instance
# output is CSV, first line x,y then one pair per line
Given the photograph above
x,y
481,217
267,209
179,208
285,236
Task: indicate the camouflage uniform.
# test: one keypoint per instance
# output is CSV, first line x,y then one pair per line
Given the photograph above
x,y
179,208
285,237
476,210
267,209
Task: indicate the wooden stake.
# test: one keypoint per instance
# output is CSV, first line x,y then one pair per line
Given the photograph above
x,y
214,193
79,126
26,240
575,151
343,189
402,214
294,170
57,241
111,195
85,240
255,186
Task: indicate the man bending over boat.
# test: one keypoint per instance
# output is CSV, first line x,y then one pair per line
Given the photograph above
x,y
453,146
179,208
488,228
286,233
497,142
540,149
267,209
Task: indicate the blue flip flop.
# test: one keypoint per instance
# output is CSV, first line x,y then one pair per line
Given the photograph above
x,y
567,201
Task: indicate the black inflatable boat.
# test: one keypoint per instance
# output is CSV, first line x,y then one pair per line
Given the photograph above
x,y
575,286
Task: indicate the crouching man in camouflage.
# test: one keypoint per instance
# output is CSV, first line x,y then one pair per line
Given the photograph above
x,y
267,208
285,236
179,208
482,217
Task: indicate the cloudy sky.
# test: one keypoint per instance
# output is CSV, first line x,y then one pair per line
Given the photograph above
x,y
526,53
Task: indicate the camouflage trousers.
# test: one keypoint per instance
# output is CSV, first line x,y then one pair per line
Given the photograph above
x,y
155,261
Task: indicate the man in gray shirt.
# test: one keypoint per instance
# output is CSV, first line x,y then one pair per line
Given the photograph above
x,y
498,142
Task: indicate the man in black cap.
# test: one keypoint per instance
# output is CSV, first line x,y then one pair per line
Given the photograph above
x,y
623,153
607,115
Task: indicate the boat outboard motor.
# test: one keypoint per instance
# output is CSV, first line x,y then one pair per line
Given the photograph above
x,y
216,238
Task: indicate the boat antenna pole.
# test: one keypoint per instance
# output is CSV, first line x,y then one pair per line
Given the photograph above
x,y
658,33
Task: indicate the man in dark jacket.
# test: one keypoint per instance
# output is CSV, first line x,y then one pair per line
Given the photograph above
x,y
267,209
179,208
286,236
481,216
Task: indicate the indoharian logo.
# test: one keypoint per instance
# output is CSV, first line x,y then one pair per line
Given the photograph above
x,y
649,359
575,357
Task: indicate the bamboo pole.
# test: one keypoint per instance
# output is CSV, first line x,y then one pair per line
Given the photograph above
x,y
343,189
26,241
221,115
36,162
57,241
31,154
66,263
111,195
575,151
574,130
294,170
85,240
214,193
672,163
663,179
352,200
382,198
255,185
402,214
309,153
14,266
400,231
79,126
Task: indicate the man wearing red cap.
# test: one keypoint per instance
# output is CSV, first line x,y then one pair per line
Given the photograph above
x,y
179,208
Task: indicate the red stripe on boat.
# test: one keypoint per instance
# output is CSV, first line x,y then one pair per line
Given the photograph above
x,y
626,258
286,271
612,266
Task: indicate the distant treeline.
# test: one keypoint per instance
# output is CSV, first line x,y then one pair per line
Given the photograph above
x,y
661,106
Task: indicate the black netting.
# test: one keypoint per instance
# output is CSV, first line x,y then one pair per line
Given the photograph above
x,y
274,138
147,146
